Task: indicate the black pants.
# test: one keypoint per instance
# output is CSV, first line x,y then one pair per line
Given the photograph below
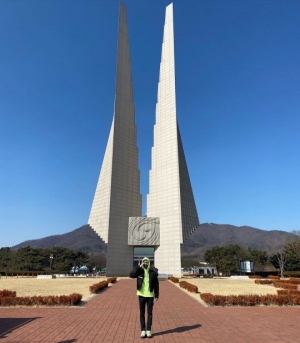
x,y
143,301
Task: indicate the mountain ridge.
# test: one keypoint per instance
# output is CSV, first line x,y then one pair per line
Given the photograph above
x,y
206,236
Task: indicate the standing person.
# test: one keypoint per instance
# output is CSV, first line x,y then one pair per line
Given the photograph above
x,y
147,291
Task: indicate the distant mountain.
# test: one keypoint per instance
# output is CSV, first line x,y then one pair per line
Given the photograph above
x,y
209,235
205,237
83,238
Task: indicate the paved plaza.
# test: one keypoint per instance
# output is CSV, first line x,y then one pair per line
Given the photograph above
x,y
113,316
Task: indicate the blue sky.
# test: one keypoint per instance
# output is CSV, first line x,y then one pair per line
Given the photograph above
x,y
238,101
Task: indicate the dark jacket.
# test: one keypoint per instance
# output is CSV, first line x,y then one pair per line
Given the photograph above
x,y
138,273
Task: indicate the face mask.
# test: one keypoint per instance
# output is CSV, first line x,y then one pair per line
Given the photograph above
x,y
146,265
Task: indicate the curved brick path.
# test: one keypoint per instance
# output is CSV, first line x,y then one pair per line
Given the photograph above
x,y
112,316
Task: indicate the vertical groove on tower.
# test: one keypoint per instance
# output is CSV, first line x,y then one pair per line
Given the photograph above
x,y
170,193
117,195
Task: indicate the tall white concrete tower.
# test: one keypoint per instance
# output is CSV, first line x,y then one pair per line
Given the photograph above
x,y
170,195
117,195
117,205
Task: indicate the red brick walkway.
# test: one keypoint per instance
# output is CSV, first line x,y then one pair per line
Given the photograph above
x,y
112,316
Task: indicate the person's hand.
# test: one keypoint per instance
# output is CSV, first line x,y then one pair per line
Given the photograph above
x,y
155,299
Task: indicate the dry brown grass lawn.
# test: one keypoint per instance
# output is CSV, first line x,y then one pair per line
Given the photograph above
x,y
227,286
231,286
59,286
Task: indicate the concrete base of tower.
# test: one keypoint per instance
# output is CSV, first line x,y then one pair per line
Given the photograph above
x,y
119,260
168,260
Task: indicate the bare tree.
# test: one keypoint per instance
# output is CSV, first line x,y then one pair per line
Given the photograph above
x,y
97,260
280,259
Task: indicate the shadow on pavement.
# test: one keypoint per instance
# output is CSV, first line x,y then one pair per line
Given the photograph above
x,y
178,329
7,325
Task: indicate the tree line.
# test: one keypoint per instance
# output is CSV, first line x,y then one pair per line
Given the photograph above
x,y
55,259
227,258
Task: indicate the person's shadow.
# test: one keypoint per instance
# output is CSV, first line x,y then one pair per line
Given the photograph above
x,y
178,329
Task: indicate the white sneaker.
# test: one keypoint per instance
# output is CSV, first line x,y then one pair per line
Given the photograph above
x,y
143,334
149,334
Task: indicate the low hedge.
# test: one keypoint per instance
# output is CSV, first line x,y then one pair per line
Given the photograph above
x,y
295,274
263,282
285,284
189,287
251,300
7,293
62,300
174,279
254,276
112,280
98,286
273,277
287,291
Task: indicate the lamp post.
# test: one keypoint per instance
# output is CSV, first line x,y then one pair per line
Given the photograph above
x,y
51,259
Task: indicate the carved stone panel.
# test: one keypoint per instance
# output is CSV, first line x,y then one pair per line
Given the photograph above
x,y
143,231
